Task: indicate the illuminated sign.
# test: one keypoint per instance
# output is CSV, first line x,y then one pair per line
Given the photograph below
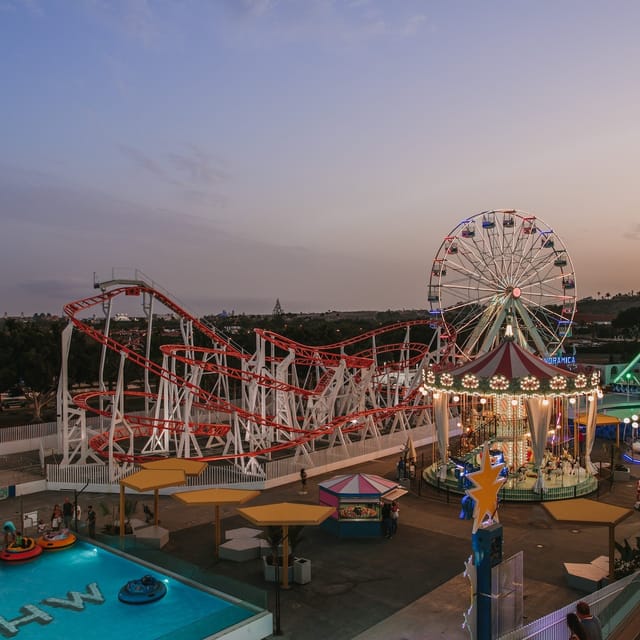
x,y
556,360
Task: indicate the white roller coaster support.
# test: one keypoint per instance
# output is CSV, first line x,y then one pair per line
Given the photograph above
x,y
118,470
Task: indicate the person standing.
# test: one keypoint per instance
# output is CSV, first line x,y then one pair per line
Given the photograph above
x,y
9,530
590,622
56,518
395,516
400,469
303,480
91,522
386,520
67,513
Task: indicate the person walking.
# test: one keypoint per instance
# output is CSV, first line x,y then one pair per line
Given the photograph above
x,y
91,522
590,622
576,630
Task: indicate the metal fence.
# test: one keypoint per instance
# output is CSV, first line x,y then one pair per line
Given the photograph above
x,y
609,604
274,472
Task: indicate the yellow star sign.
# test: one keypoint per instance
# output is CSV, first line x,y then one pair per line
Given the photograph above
x,y
485,494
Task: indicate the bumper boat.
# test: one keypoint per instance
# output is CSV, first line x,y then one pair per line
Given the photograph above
x,y
15,553
146,589
57,539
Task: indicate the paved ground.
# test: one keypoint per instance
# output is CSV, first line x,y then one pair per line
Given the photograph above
x,y
407,588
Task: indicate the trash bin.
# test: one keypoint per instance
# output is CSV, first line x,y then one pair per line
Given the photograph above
x,y
301,571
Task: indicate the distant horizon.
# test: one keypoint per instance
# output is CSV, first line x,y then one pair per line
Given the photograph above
x,y
134,309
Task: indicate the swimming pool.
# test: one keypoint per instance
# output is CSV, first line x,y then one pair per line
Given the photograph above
x,y
74,593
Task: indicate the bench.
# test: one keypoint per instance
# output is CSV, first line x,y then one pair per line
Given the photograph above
x,y
588,577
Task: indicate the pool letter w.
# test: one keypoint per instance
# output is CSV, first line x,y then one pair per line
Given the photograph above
x,y
9,628
75,600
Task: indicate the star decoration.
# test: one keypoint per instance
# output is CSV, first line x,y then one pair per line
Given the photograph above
x,y
487,483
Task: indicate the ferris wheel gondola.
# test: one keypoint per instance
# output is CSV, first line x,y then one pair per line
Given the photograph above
x,y
498,268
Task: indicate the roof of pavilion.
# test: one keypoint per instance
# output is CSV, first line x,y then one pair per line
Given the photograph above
x,y
510,369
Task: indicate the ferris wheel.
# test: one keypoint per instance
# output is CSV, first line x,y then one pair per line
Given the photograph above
x,y
503,271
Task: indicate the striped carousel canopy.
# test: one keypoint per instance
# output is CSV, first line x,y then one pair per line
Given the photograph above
x,y
510,369
358,484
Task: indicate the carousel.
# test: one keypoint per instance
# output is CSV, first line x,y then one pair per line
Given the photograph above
x,y
525,409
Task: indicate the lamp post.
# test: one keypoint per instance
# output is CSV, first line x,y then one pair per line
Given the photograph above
x,y
633,421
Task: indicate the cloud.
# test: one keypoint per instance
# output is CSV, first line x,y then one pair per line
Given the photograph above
x,y
197,166
143,161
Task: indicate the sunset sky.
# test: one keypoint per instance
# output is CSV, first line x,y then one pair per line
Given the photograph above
x,y
315,151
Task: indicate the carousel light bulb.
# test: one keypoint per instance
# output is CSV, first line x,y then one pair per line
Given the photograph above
x,y
514,403
483,401
456,398
634,425
572,400
436,395
423,390
545,402
634,418
627,420
600,394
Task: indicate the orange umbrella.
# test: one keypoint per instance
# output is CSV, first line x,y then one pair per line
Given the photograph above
x,y
584,511
216,497
286,514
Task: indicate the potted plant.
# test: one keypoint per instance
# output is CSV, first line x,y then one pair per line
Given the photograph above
x,y
274,561
112,528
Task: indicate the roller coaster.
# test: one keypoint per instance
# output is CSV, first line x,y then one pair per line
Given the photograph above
x,y
209,400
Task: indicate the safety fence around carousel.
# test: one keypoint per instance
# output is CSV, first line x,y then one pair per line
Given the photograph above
x,y
273,472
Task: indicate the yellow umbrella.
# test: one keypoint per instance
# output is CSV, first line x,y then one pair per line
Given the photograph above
x,y
189,466
584,511
216,497
286,514
149,480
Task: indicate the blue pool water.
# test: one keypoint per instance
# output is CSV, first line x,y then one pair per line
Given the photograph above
x,y
73,593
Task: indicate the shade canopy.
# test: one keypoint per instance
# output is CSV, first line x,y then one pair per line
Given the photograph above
x,y
585,511
190,467
151,480
216,496
602,419
286,513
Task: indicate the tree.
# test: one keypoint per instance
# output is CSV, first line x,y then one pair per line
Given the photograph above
x,y
31,360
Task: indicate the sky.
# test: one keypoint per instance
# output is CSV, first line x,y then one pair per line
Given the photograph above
x,y
312,151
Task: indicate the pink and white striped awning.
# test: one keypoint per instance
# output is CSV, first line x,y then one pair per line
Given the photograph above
x,y
363,484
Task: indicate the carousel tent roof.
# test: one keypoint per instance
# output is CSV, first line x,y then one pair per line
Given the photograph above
x,y
359,484
510,360
509,368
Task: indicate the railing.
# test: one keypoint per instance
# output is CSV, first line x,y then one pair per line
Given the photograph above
x,y
28,432
274,472
604,604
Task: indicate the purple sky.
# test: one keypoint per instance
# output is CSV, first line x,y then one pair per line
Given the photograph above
x,y
314,151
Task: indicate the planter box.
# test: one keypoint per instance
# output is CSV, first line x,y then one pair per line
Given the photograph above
x,y
622,475
269,570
